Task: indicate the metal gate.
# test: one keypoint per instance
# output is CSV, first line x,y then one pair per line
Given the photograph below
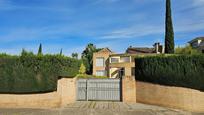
x,y
99,89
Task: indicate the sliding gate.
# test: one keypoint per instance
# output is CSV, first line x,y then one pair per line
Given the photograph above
x,y
99,89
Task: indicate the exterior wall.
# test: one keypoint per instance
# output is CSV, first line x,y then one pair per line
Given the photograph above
x,y
128,71
175,97
105,55
47,100
67,90
129,89
199,41
65,94
132,91
116,65
127,66
201,46
111,68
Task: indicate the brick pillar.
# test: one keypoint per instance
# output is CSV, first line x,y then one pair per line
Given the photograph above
x,y
129,89
67,90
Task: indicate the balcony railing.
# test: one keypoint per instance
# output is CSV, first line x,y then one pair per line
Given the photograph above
x,y
121,59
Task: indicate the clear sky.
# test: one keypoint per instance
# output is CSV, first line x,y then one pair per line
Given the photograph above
x,y
72,24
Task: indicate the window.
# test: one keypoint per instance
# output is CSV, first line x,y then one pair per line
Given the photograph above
x,y
125,59
101,73
114,60
100,62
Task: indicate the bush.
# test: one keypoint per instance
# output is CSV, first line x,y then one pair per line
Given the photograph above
x,y
82,69
173,70
85,76
30,73
187,50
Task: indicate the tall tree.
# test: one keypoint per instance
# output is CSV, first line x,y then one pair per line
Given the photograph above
x,y
40,50
26,53
169,31
75,55
61,52
87,56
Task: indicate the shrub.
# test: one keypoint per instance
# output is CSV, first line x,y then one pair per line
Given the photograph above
x,y
82,69
173,70
31,73
187,50
85,76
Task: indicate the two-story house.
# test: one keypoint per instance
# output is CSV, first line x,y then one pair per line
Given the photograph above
x,y
108,63
197,43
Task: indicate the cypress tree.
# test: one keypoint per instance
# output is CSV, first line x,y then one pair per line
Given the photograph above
x,y
82,69
169,32
40,50
61,52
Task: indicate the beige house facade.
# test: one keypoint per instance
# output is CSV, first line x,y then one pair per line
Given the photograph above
x,y
108,63
101,62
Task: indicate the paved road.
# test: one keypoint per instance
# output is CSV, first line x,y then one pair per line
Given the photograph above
x,y
99,108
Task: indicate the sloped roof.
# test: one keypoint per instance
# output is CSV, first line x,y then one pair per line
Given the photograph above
x,y
134,50
105,50
198,38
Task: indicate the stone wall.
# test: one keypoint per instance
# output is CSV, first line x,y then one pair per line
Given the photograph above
x,y
67,90
132,91
47,100
129,89
65,94
175,97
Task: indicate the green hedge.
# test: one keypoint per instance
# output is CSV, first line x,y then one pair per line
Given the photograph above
x,y
34,74
85,76
173,70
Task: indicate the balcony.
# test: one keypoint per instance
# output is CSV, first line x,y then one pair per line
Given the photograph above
x,y
121,61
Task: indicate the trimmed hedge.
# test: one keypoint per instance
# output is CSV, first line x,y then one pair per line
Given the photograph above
x,y
85,76
173,70
34,74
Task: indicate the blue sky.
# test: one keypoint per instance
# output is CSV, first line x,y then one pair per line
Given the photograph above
x,y
72,24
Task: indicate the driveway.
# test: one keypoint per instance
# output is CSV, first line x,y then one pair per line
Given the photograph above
x,y
99,108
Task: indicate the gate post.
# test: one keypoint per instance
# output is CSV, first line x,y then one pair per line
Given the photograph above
x,y
129,89
67,90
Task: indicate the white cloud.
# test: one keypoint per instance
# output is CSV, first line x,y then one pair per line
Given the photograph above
x,y
146,30
9,5
137,24
198,2
35,33
133,32
23,34
6,5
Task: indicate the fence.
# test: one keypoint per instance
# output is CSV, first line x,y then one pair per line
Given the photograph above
x,y
99,89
